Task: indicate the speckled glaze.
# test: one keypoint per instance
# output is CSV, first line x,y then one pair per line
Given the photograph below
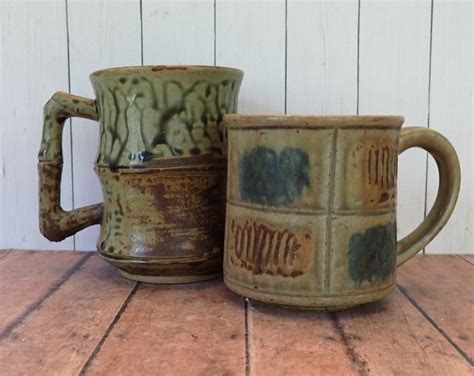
x,y
161,163
311,207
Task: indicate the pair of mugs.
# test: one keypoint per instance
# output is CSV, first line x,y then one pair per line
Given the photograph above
x,y
310,220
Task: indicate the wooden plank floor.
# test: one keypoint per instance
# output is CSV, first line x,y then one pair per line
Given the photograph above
x,y
70,313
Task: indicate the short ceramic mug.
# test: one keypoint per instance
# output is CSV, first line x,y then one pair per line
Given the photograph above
x,y
311,206
161,164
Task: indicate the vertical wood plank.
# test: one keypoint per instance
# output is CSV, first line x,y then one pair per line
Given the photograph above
x,y
451,114
322,57
178,32
394,64
102,34
34,66
63,332
251,36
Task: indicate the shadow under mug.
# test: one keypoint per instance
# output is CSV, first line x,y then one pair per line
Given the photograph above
x,y
311,206
161,163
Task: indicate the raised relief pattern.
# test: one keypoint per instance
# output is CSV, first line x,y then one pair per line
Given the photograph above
x,y
382,173
268,177
372,256
262,250
144,119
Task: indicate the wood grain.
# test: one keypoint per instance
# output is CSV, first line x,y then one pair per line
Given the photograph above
x,y
4,252
111,38
322,43
437,284
27,278
32,68
452,108
60,335
394,57
195,329
178,32
468,258
291,342
251,36
391,337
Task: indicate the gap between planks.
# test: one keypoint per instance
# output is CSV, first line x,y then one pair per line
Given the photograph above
x,y
433,323
49,293
109,329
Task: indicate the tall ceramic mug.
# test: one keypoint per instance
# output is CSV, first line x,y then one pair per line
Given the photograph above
x,y
161,163
311,206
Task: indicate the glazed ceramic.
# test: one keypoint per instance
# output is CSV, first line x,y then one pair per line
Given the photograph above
x,y
311,207
161,163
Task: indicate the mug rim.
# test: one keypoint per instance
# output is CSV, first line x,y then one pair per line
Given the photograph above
x,y
164,68
310,121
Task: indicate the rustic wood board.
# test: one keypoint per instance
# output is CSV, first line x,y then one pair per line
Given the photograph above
x,y
71,313
443,287
468,258
27,278
62,333
291,342
391,337
195,329
4,252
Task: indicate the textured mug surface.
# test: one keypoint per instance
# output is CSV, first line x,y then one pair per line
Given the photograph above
x,y
311,207
161,163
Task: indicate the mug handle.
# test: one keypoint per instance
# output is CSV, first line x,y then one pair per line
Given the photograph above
x,y
449,183
57,224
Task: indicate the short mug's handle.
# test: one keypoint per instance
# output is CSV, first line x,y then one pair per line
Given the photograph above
x,y
57,224
449,182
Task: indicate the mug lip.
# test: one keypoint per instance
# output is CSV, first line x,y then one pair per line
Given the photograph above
x,y
311,121
164,68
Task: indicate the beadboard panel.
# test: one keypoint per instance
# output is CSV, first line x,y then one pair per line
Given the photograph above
x,y
322,57
178,32
112,38
410,58
451,114
394,79
34,66
250,35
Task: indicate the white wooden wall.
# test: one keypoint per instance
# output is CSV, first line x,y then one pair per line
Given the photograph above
x,y
412,58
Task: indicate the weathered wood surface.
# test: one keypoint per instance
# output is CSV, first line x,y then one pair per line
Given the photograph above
x,y
70,313
443,288
27,278
468,258
61,333
291,342
195,329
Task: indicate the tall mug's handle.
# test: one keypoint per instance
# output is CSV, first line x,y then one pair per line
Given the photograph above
x,y
449,182
57,224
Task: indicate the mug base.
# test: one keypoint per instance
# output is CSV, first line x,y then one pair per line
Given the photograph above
x,y
167,271
310,303
168,280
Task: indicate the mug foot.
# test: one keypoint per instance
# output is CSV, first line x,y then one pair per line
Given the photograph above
x,y
168,279
312,303
166,271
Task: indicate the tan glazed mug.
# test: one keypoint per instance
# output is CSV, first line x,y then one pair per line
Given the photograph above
x,y
311,206
161,163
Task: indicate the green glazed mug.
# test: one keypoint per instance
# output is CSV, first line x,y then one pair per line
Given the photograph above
x,y
311,207
161,163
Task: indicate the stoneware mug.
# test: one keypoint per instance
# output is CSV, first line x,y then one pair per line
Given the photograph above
x,y
161,165
311,207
